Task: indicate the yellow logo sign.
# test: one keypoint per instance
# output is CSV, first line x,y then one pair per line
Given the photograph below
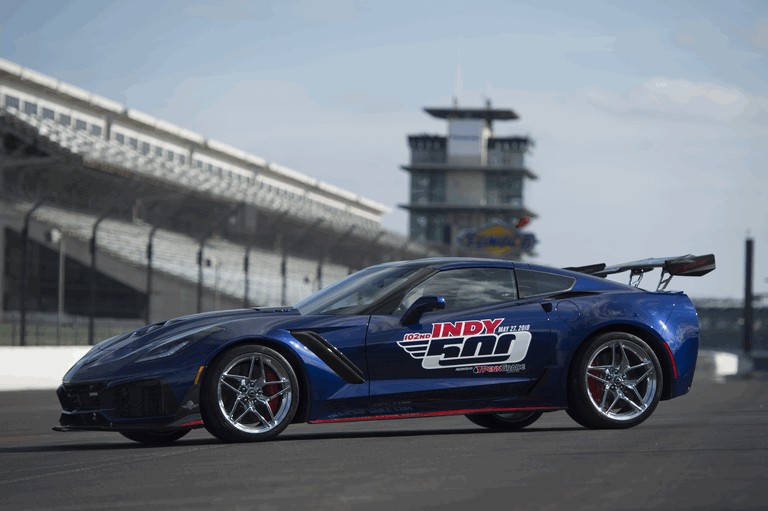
x,y
497,240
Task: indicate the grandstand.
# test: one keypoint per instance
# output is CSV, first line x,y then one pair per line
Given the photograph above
x,y
112,218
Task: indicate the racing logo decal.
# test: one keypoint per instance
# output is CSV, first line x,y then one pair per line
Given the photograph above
x,y
467,343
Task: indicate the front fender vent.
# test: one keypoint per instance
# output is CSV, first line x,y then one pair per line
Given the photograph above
x,y
329,354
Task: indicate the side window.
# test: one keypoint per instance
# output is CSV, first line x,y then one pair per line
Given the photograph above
x,y
465,288
533,283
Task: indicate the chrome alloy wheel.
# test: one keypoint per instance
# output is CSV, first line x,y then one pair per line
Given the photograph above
x,y
621,380
254,393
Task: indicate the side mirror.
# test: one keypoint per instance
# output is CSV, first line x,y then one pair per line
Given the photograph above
x,y
420,306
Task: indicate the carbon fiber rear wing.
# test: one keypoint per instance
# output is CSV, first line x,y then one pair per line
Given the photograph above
x,y
687,266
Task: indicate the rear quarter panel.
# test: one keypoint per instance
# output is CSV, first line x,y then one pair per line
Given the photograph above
x,y
666,321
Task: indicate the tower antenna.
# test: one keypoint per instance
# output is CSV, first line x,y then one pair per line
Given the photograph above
x,y
458,86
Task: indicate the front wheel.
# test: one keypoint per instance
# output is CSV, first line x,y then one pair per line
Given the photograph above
x,y
615,382
150,437
504,421
249,394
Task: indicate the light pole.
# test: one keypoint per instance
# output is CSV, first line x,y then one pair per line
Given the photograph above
x,y
92,281
748,296
150,254
56,236
284,258
181,202
201,246
216,267
335,242
25,270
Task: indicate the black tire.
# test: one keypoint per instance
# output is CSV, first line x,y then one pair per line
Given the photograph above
x,y
154,437
615,382
249,394
504,421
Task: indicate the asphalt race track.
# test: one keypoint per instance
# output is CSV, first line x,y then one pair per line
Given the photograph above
x,y
706,450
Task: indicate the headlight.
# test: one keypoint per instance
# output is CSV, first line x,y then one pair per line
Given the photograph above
x,y
170,345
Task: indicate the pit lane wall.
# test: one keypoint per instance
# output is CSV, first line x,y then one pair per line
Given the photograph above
x,y
42,367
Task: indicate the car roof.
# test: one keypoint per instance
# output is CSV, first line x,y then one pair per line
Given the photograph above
x,y
583,282
442,263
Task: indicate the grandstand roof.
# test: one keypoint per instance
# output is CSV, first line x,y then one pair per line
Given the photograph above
x,y
24,78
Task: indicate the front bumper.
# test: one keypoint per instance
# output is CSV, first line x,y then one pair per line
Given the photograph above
x,y
143,404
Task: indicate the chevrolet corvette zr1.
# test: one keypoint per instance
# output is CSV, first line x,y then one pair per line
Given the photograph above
x,y
498,341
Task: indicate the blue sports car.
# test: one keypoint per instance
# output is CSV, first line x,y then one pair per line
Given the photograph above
x,y
498,341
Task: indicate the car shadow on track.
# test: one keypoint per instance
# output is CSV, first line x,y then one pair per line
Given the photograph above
x,y
123,444
334,435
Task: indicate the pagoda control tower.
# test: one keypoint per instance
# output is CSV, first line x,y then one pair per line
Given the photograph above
x,y
467,187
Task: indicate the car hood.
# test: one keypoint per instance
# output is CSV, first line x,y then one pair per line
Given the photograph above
x,y
176,326
132,346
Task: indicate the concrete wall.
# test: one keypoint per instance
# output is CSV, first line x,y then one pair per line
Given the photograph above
x,y
36,367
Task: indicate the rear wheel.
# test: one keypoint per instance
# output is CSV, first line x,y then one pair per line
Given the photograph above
x,y
155,437
615,382
249,394
504,421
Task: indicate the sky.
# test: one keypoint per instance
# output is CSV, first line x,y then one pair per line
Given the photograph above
x,y
650,119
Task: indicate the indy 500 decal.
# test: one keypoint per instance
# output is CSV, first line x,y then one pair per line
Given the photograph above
x,y
468,343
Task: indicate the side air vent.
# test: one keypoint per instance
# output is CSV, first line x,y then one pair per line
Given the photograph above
x,y
329,354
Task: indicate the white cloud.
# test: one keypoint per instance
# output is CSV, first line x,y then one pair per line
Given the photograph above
x,y
702,36
684,99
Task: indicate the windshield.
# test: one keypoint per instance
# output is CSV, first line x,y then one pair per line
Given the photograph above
x,y
356,291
